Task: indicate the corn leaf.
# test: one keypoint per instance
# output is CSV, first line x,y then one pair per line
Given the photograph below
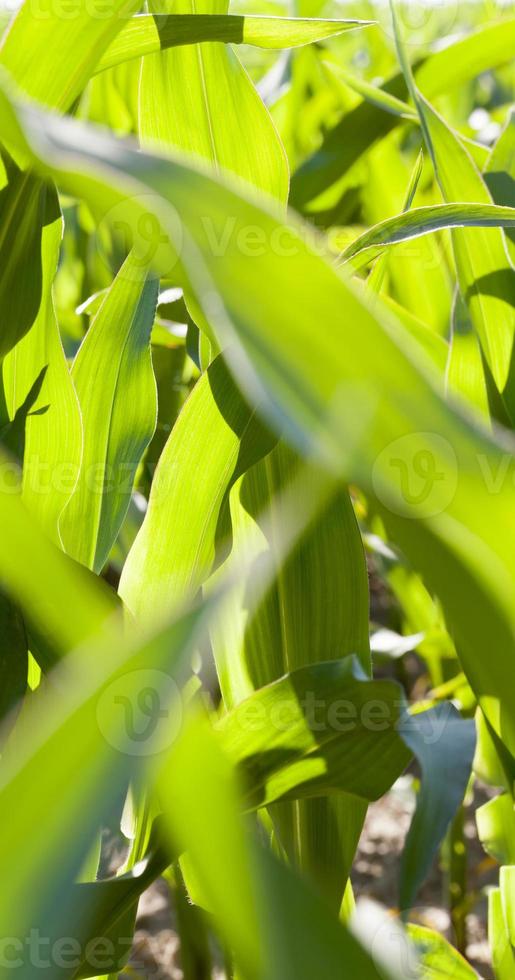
x,y
496,829
284,749
72,45
211,92
445,760
202,816
176,548
485,275
507,886
113,377
283,350
51,444
14,664
438,959
149,33
361,127
355,719
317,607
423,221
465,367
44,581
499,173
22,213
503,955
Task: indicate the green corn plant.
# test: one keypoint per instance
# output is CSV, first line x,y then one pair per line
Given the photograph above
x,y
256,359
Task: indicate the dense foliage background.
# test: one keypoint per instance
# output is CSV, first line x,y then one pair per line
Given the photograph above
x,y
257,312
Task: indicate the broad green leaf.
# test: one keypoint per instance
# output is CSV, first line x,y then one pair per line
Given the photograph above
x,y
418,275
345,143
374,94
342,393
104,914
52,430
13,665
22,216
148,33
482,50
438,959
72,46
45,582
115,385
82,752
485,276
316,608
275,925
445,758
200,99
319,601
74,745
12,435
423,221
304,734
507,886
432,344
341,731
499,173
465,368
496,828
503,955
487,763
176,548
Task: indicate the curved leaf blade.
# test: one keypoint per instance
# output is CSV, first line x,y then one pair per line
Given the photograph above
x,y
424,221
278,353
215,111
72,45
176,547
149,33
344,144
52,428
485,276
115,385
